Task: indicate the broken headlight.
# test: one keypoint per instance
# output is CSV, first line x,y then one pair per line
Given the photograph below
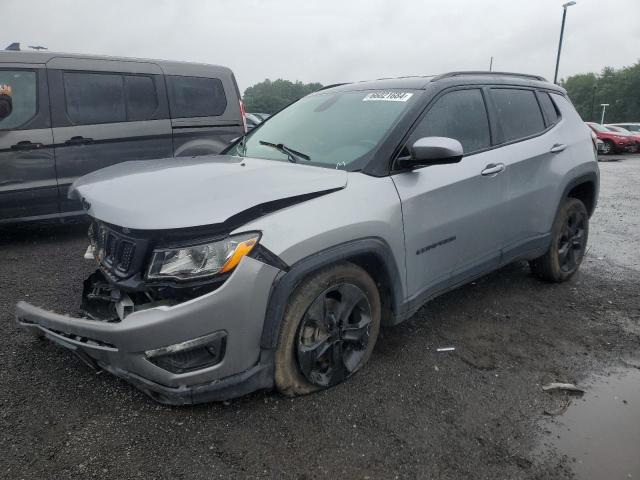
x,y
204,260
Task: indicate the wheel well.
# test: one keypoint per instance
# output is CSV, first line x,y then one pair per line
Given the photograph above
x,y
372,264
371,254
585,192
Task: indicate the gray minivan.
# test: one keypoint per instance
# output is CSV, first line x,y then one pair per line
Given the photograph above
x,y
73,114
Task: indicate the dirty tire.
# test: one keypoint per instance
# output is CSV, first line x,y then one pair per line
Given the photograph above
x,y
289,377
553,266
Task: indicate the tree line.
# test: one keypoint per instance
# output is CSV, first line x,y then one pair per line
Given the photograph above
x,y
272,96
619,88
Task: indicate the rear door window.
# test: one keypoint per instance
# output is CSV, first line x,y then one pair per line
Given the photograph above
x,y
93,98
518,113
24,97
196,97
461,115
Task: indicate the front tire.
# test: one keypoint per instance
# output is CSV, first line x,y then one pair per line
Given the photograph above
x,y
329,329
608,148
569,237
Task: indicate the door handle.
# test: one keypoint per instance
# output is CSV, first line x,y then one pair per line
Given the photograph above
x,y
493,169
26,145
558,147
79,141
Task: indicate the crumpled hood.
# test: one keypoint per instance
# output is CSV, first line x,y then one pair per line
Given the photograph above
x,y
189,192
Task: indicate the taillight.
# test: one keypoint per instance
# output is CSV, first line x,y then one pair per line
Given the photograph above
x,y
244,120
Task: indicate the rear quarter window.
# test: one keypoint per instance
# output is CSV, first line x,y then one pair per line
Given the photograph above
x,y
549,108
518,113
196,97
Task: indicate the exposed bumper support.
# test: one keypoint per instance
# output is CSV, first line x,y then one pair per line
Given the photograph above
x,y
237,308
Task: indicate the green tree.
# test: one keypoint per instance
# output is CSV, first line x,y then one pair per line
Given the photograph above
x,y
619,88
271,96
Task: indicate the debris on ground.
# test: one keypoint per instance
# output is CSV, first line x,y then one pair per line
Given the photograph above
x,y
446,349
566,387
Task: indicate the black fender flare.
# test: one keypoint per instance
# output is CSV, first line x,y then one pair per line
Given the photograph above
x,y
287,281
590,177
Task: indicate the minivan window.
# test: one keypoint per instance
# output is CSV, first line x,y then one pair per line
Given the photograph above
x,y
24,97
93,98
518,113
548,108
333,129
196,97
461,115
141,97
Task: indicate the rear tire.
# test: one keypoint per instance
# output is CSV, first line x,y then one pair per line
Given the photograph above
x,y
329,329
569,236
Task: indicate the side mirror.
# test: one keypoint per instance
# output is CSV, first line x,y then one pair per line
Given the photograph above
x,y
432,151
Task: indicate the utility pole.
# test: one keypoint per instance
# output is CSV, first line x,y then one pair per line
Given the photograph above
x,y
564,17
491,64
604,107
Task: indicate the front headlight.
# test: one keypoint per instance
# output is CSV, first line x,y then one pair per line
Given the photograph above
x,y
204,260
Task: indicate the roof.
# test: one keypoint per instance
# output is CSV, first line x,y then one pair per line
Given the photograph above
x,y
423,82
43,57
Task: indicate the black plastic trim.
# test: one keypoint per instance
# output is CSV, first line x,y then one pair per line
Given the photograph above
x,y
590,177
259,377
287,282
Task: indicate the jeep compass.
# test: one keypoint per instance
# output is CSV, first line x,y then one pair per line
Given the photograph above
x,y
274,264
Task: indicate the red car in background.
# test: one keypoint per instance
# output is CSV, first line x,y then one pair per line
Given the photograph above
x,y
624,131
614,142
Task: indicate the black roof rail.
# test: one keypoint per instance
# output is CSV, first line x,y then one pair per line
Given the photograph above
x,y
332,85
481,72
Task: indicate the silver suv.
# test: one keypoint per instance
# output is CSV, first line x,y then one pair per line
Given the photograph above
x,y
276,263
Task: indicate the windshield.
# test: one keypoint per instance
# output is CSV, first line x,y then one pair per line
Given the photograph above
x,y
618,129
599,128
335,130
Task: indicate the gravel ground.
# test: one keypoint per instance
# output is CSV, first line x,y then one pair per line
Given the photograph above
x,y
411,413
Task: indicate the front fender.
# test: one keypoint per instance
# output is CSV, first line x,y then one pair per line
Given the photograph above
x,y
287,282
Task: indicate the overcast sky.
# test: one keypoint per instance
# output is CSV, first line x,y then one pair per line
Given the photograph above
x,y
333,41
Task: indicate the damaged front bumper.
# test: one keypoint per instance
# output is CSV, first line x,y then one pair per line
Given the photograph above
x,y
230,318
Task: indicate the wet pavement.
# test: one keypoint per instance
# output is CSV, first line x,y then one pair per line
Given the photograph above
x,y
600,432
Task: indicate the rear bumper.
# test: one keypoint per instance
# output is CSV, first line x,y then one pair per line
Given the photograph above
x,y
237,308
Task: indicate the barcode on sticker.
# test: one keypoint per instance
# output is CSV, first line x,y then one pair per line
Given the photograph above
x,y
387,97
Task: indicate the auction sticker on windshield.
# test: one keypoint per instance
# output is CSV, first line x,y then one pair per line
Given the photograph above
x,y
387,97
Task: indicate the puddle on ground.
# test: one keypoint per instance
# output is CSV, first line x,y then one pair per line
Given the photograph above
x,y
600,432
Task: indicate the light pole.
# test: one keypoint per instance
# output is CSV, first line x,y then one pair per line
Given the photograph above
x,y
604,107
564,17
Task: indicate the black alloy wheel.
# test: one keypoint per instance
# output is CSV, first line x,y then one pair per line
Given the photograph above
x,y
334,335
572,242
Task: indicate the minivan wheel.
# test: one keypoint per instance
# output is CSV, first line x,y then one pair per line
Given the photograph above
x,y
608,147
329,329
568,243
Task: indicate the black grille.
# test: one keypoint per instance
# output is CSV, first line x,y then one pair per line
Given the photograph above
x,y
120,254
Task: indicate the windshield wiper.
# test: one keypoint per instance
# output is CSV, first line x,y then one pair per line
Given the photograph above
x,y
291,154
